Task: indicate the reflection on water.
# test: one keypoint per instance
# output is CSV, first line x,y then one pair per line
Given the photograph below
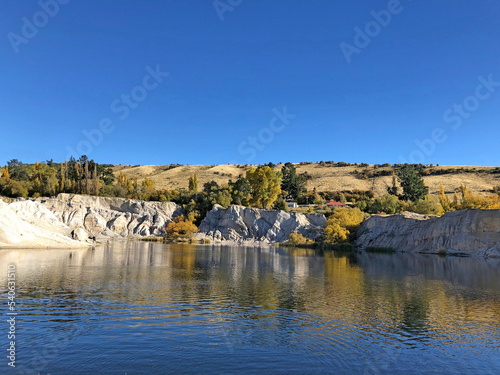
x,y
150,308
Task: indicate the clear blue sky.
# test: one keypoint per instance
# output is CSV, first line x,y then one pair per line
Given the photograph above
x,y
228,79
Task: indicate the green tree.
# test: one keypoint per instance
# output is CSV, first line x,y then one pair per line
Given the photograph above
x,y
223,198
427,206
292,184
414,188
393,190
195,183
210,186
241,191
280,204
266,185
18,170
218,196
318,200
15,189
388,204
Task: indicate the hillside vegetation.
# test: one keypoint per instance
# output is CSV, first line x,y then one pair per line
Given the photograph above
x,y
346,193
322,176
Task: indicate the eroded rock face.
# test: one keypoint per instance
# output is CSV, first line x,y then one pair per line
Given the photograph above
x,y
37,214
243,224
28,225
94,223
476,232
112,216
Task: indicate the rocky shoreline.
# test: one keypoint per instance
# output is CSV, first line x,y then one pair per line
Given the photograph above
x,y
246,226
119,218
47,232
51,222
467,232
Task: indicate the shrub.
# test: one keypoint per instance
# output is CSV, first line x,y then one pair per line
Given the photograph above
x,y
477,201
362,205
388,204
14,189
295,239
471,200
280,204
180,228
427,206
342,223
334,233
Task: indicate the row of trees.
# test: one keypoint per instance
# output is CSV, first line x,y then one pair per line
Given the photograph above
x,y
80,176
263,187
130,188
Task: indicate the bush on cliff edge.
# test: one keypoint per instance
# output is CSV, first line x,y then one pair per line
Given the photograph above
x,y
342,224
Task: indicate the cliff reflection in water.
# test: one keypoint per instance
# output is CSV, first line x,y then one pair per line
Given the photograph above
x,y
327,304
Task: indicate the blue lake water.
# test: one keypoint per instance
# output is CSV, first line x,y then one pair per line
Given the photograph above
x,y
143,308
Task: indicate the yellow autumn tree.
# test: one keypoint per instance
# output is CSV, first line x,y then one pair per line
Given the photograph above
x,y
342,223
193,183
148,185
180,228
6,173
334,233
265,184
471,200
444,200
455,204
63,177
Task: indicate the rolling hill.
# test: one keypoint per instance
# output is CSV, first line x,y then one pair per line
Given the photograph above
x,y
322,176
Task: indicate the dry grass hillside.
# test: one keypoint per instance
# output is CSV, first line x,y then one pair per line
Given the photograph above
x,y
323,177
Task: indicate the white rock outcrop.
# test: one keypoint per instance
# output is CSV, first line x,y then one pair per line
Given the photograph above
x,y
475,232
38,215
113,217
32,228
240,224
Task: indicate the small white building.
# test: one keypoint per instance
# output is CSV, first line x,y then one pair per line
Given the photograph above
x,y
292,204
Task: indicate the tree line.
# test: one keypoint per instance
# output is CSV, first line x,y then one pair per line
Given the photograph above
x,y
263,186
82,176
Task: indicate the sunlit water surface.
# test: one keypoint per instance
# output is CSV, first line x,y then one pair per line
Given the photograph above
x,y
133,308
